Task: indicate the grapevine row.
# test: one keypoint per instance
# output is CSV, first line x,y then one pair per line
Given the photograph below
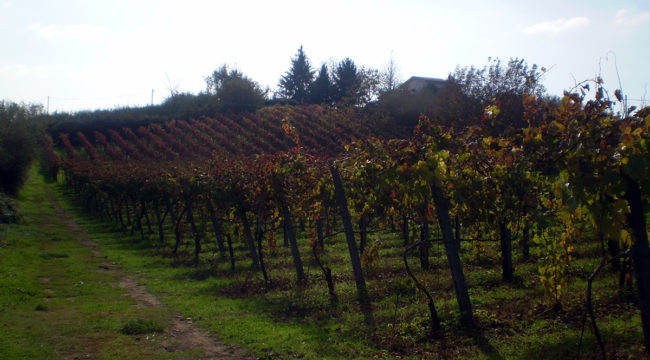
x,y
574,166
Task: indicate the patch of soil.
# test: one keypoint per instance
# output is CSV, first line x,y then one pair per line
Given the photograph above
x,y
139,292
182,334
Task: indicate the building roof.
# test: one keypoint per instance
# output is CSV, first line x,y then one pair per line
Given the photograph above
x,y
416,83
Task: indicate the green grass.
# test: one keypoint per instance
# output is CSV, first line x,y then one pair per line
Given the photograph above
x,y
265,325
54,300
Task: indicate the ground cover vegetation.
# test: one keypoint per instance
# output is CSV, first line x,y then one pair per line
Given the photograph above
x,y
506,224
58,299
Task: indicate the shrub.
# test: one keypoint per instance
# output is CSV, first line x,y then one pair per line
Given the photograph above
x,y
8,210
17,142
140,326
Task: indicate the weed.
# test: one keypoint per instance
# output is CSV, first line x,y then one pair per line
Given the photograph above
x,y
140,326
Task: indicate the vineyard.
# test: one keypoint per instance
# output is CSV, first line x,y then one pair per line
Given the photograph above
x,y
332,216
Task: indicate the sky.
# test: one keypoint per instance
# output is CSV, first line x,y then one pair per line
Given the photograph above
x,y
103,54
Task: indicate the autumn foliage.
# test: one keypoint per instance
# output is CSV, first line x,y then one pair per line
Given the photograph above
x,y
574,171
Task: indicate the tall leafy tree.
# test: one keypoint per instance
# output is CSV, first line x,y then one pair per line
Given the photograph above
x,y
215,81
346,82
321,89
496,78
475,88
369,86
294,84
234,91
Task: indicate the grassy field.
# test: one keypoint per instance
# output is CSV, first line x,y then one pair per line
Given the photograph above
x,y
59,300
55,302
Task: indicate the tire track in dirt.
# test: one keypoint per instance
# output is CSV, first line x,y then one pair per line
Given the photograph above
x,y
182,334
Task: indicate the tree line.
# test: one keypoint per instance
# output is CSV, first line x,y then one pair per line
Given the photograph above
x,y
342,83
377,93
228,90
21,131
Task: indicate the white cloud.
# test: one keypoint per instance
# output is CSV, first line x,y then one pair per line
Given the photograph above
x,y
622,18
19,70
557,26
83,32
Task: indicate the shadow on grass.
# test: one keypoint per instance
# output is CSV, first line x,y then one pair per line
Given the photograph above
x,y
486,348
559,348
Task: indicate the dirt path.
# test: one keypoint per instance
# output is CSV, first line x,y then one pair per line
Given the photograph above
x,y
182,334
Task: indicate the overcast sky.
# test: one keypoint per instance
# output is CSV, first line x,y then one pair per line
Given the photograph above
x,y
103,54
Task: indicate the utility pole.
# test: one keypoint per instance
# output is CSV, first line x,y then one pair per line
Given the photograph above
x,y
48,105
151,97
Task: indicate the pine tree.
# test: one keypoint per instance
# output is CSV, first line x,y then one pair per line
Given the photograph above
x,y
346,82
321,89
295,82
